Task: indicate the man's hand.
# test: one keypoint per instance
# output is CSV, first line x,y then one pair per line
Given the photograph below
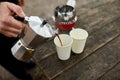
x,y
9,26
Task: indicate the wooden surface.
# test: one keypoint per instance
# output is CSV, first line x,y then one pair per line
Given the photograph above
x,y
101,57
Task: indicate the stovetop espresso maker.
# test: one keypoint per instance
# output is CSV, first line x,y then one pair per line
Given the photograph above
x,y
39,30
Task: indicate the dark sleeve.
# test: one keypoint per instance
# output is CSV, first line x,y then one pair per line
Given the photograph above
x,y
12,1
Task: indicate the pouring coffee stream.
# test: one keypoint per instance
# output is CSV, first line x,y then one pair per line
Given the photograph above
x,y
59,39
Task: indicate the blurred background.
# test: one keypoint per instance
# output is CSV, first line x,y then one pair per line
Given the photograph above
x,y
41,8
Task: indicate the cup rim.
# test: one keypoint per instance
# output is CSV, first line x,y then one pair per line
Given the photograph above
x,y
65,45
81,30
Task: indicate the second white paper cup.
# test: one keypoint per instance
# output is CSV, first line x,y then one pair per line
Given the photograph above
x,y
63,51
79,39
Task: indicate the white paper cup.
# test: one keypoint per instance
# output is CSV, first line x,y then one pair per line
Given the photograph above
x,y
79,39
63,51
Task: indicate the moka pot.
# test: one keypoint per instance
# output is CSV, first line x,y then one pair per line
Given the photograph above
x,y
39,30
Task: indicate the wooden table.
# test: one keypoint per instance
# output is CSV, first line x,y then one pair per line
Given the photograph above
x,y
101,57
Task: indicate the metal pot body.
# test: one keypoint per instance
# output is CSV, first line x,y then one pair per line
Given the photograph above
x,y
36,35
31,39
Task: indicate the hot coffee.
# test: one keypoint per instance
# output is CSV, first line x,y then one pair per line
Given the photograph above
x,y
59,39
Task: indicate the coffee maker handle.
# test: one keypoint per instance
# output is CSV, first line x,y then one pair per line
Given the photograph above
x,y
24,22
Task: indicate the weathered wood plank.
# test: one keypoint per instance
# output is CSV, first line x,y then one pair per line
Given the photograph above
x,y
98,41
82,9
114,74
54,67
36,73
95,65
92,3
97,16
85,22
82,22
5,75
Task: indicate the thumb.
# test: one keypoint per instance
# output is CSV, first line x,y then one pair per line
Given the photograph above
x,y
16,9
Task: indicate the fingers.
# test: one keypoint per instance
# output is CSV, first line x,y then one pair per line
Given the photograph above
x,y
16,9
11,27
9,20
11,32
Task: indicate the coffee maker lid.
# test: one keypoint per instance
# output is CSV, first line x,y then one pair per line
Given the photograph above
x,y
35,24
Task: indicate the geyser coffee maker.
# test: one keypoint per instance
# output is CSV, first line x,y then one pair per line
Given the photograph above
x,y
39,30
